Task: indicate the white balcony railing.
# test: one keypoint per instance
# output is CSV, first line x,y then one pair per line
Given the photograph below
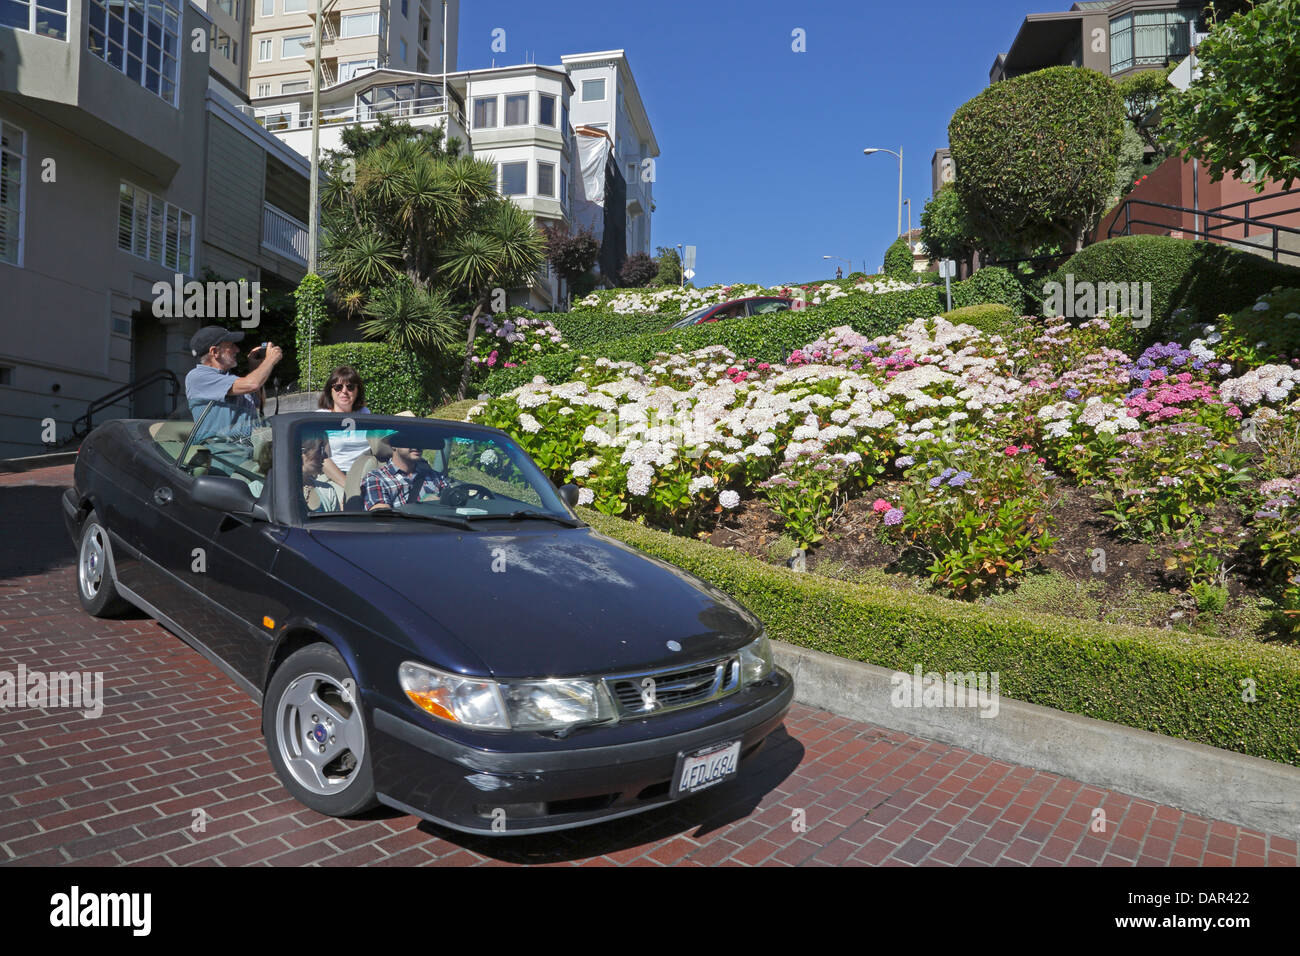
x,y
278,119
283,234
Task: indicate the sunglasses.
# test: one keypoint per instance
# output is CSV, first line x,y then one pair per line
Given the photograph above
x,y
341,387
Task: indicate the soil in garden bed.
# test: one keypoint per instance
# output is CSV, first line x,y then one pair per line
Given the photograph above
x,y
1091,573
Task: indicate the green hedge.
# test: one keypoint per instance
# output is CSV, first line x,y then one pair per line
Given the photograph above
x,y
1166,682
395,381
991,318
898,259
1205,278
590,329
770,338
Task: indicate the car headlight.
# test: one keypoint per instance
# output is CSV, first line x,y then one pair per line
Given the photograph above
x,y
756,659
516,705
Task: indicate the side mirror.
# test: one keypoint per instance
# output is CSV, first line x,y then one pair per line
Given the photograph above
x,y
224,494
569,495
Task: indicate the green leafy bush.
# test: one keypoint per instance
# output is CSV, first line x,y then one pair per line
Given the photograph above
x,y
1266,332
1182,685
992,318
395,381
590,329
1204,279
898,259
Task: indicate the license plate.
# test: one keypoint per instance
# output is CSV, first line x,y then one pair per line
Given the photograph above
x,y
702,769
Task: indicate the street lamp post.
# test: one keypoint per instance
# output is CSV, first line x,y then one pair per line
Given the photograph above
x,y
842,259
899,154
681,267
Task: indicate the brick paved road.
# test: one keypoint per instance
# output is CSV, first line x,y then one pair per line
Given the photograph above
x,y
176,736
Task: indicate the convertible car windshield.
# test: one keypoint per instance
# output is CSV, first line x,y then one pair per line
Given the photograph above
x,y
436,470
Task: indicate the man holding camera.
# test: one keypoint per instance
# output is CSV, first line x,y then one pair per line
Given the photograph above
x,y
213,380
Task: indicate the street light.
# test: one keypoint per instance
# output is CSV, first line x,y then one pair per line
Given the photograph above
x,y
899,154
681,267
842,259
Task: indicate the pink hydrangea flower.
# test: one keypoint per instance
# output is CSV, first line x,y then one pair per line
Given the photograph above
x,y
880,504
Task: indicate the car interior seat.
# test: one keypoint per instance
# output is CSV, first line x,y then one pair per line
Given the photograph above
x,y
380,452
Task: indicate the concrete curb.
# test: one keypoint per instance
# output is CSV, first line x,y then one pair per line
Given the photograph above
x,y
1219,784
32,462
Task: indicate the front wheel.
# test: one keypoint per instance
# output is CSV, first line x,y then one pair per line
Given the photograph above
x,y
96,577
316,734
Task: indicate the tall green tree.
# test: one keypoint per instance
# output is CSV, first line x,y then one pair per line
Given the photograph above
x,y
1243,115
1036,156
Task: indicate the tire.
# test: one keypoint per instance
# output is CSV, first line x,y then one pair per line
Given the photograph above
x,y
96,575
316,733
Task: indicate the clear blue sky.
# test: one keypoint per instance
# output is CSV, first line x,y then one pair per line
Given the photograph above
x,y
761,163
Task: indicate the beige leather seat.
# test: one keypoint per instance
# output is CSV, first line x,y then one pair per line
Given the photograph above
x,y
170,436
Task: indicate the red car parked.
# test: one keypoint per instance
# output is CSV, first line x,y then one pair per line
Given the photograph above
x,y
736,308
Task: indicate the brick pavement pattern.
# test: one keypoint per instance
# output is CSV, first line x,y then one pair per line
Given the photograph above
x,y
177,737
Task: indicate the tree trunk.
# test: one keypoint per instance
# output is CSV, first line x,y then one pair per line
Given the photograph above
x,y
467,367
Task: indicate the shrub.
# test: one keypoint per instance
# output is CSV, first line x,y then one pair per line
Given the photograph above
x,y
1203,278
590,329
898,259
992,318
1183,685
396,381
855,276
1268,331
990,284
638,270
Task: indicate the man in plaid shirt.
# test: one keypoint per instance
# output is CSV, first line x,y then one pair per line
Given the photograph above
x,y
393,483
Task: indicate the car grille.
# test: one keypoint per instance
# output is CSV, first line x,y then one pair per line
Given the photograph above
x,y
674,688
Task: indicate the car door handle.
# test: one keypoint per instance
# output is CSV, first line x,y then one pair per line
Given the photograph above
x,y
162,496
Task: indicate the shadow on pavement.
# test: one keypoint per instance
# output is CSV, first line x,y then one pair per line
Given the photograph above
x,y
31,527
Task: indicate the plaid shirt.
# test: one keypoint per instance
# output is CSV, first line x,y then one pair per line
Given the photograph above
x,y
389,485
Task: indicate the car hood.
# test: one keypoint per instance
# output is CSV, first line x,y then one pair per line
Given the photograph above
x,y
551,602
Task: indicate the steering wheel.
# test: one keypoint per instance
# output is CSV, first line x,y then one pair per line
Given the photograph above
x,y
460,494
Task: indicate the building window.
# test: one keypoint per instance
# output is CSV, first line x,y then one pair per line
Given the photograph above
x,y
12,166
593,90
6,374
263,89
564,189
516,109
140,42
545,110
152,229
1147,39
296,86
355,68
514,179
268,8
264,50
224,44
229,7
546,179
47,18
293,48
295,6
485,112
401,46
358,24
564,122
404,10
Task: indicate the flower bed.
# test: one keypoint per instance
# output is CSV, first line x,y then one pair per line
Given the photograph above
x,y
973,438
674,301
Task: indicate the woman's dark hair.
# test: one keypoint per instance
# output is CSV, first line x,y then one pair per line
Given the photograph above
x,y
346,375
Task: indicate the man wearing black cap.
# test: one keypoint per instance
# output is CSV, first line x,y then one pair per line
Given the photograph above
x,y
213,380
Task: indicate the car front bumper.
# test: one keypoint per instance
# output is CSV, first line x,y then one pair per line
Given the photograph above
x,y
509,793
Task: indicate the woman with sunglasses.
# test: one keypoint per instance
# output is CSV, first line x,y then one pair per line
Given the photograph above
x,y
344,394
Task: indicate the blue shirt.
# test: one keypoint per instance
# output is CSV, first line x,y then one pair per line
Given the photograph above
x,y
233,417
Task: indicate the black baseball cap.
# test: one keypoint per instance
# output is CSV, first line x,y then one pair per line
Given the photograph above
x,y
211,335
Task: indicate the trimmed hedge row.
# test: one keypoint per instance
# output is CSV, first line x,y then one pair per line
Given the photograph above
x,y
771,338
589,329
991,318
395,381
1205,278
1166,682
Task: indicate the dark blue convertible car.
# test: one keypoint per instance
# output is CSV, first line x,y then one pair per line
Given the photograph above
x,y
440,633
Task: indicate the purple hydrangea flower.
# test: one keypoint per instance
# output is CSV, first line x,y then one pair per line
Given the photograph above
x,y
1072,393
894,516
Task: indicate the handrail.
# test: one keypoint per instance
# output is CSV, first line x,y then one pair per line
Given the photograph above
x,y
82,426
1209,231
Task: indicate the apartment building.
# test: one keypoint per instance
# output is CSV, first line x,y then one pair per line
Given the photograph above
x,y
606,98
122,164
356,36
1114,37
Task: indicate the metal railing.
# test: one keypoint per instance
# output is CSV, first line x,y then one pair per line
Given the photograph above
x,y
277,120
283,234
83,425
1202,227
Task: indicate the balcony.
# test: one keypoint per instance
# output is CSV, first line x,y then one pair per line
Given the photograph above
x,y
291,121
283,235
